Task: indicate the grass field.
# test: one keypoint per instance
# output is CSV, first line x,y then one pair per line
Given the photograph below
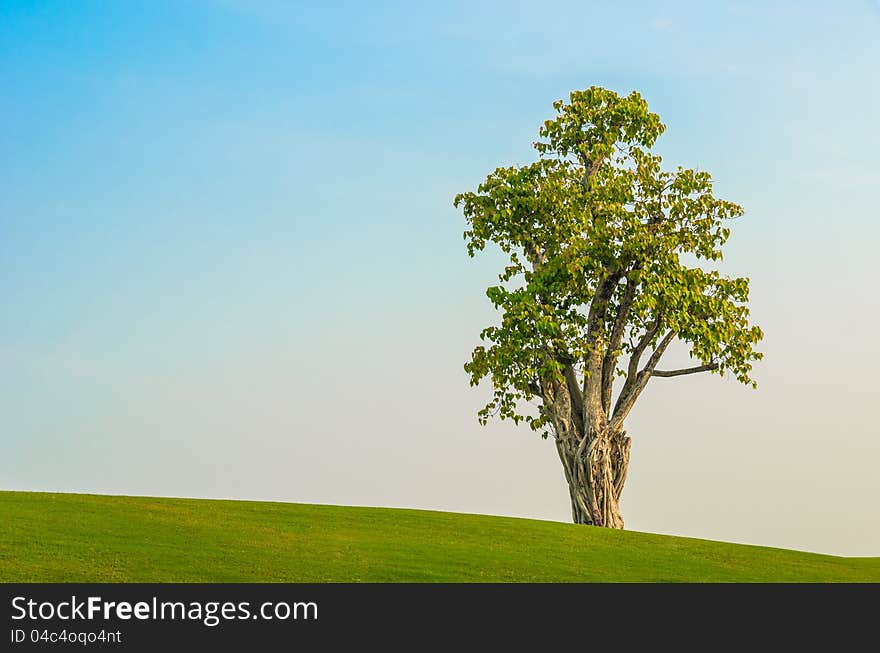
x,y
93,538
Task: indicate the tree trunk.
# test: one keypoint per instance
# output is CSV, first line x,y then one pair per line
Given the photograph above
x,y
595,469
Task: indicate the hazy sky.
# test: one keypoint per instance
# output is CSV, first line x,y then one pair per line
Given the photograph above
x,y
230,265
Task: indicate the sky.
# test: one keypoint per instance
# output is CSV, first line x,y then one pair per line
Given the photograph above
x,y
230,266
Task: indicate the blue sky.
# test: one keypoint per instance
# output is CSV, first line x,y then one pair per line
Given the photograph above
x,y
229,254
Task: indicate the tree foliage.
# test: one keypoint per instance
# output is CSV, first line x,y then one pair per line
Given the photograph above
x,y
609,262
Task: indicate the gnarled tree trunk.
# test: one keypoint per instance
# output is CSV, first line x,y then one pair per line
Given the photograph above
x,y
595,468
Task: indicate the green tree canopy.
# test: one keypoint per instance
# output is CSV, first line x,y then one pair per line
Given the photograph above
x,y
607,266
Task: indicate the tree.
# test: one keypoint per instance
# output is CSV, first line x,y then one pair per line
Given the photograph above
x,y
607,266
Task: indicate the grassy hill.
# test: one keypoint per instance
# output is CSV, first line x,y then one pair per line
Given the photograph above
x,y
89,538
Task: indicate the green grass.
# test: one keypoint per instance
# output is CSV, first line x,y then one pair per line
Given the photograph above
x,y
93,538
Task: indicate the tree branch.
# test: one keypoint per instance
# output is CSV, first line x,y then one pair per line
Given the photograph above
x,y
534,255
689,370
593,408
634,360
658,353
599,304
627,399
577,399
590,169
609,362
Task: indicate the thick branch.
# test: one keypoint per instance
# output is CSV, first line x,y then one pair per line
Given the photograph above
x,y
688,370
634,360
577,400
627,399
658,353
593,362
609,362
599,304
